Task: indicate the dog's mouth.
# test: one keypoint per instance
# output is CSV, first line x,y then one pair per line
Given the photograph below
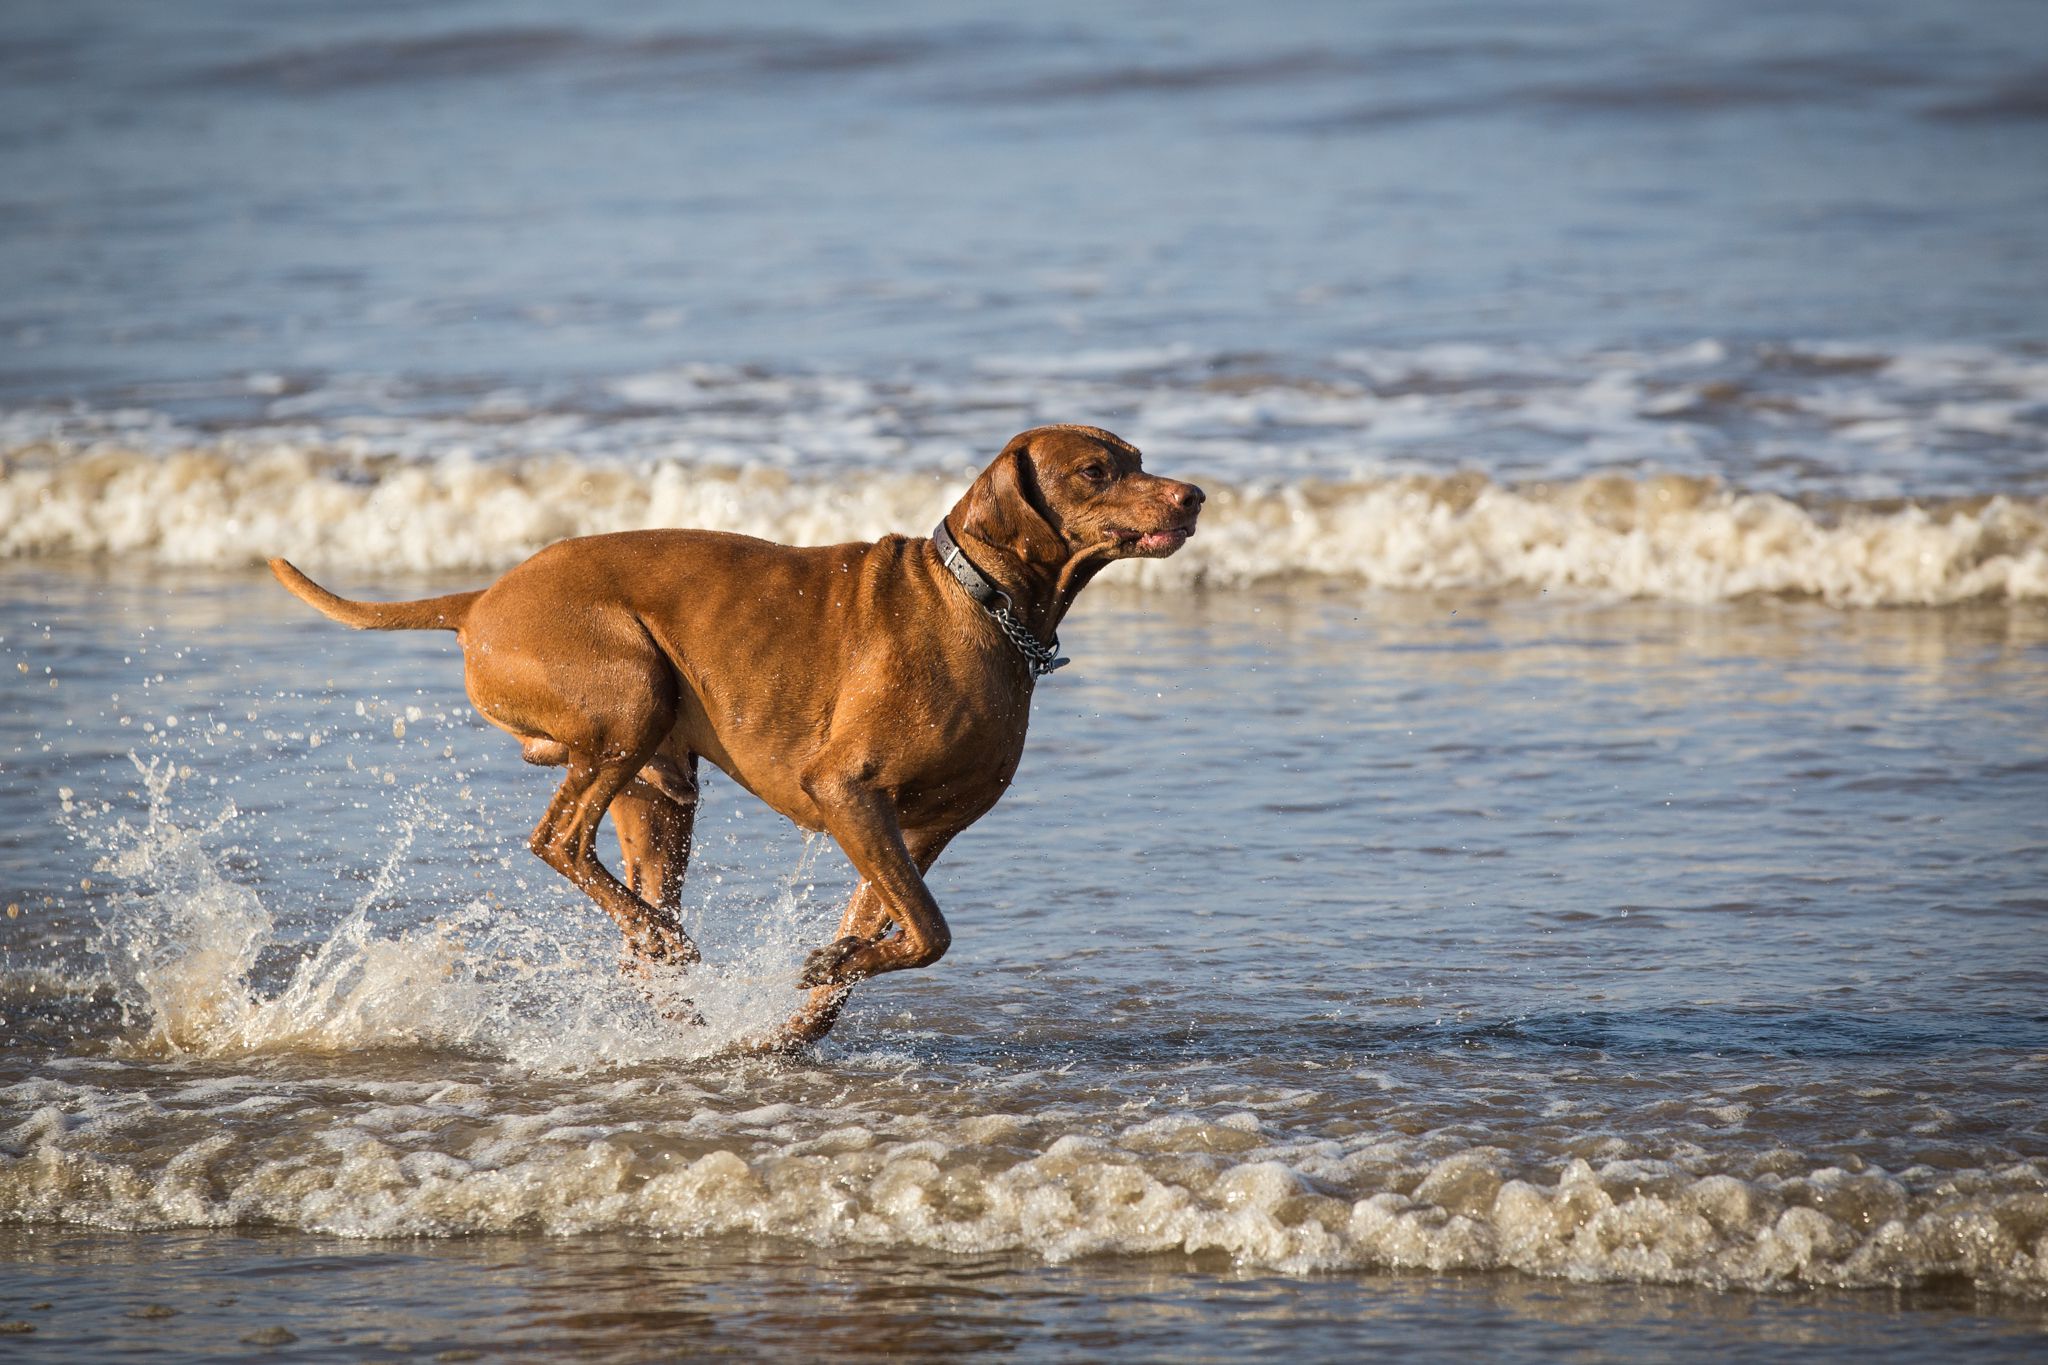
x,y
1152,544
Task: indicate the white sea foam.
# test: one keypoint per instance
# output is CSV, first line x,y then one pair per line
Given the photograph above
x,y
232,504
695,1156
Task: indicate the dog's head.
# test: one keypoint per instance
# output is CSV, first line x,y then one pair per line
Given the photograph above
x,y
1061,492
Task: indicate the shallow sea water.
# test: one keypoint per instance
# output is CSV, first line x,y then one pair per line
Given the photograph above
x,y
613,1298
1327,934
1555,869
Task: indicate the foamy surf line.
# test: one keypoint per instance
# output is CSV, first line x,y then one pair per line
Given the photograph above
x,y
1669,536
669,1158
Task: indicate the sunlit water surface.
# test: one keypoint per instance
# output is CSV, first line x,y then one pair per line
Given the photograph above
x,y
1326,933
1556,868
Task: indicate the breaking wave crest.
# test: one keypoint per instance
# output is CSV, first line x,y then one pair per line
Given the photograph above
x,y
691,1163
1671,537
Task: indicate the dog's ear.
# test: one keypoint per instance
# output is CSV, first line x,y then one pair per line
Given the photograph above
x,y
1004,508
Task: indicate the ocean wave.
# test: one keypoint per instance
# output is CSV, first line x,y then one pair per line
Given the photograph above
x,y
234,503
688,1156
729,55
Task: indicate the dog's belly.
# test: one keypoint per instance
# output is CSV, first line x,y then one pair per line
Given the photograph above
x,y
776,782
937,779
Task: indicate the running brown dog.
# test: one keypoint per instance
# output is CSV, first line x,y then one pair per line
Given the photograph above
x,y
876,691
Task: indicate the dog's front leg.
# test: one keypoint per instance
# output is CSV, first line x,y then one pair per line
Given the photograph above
x,y
867,915
865,921
808,1024
863,820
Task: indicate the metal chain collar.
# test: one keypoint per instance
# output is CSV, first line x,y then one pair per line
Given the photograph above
x,y
1042,659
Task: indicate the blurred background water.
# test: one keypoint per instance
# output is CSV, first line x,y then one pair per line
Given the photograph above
x,y
500,189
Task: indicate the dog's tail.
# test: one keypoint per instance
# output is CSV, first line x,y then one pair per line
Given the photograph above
x,y
428,613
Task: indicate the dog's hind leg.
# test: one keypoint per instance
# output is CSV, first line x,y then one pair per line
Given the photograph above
x,y
566,840
654,818
541,680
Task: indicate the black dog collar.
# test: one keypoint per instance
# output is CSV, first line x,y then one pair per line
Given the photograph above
x,y
1043,659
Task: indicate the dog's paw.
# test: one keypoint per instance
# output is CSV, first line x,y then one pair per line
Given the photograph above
x,y
822,967
804,1029
643,967
663,948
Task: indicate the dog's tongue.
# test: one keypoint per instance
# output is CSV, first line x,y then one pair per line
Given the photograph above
x,y
1161,540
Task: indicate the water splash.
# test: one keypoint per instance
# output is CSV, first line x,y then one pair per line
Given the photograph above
x,y
180,939
186,946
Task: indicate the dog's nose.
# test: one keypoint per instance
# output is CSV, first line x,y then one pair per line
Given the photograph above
x,y
1186,497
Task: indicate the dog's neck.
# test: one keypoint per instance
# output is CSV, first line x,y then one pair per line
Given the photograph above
x,y
1041,588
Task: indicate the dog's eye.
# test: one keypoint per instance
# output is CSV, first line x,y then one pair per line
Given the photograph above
x,y
1095,473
